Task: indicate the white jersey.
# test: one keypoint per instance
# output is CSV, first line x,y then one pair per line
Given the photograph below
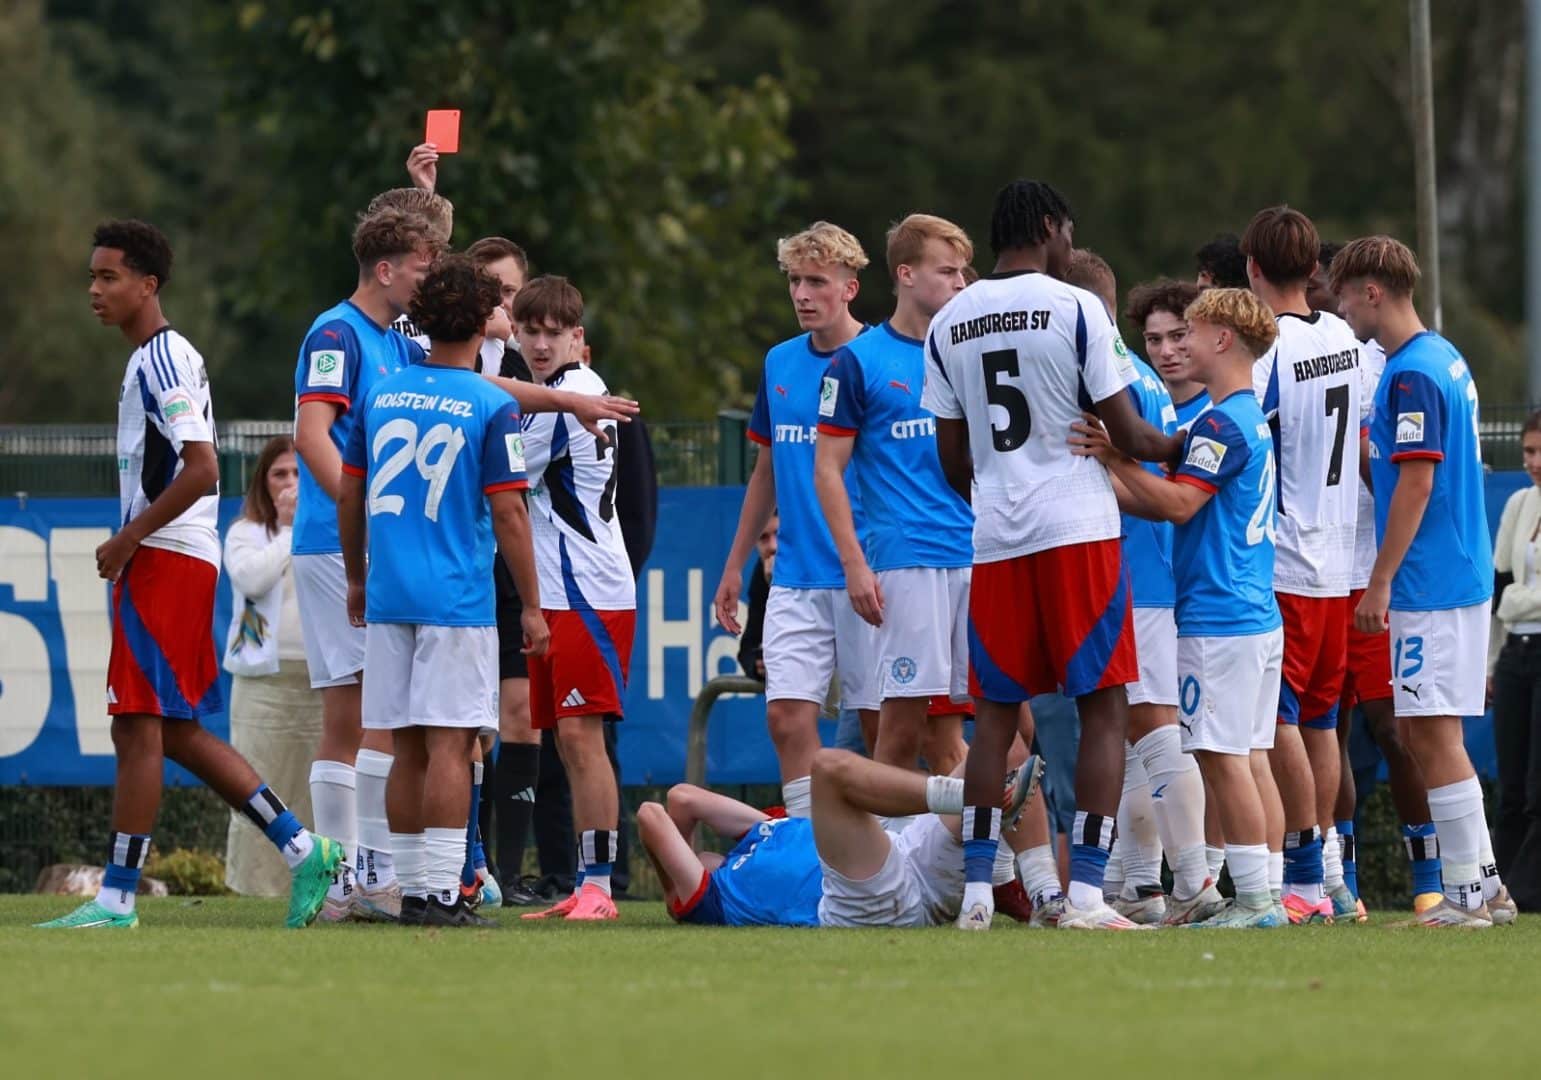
x,y
1019,357
579,551
1372,361
489,359
1309,386
164,405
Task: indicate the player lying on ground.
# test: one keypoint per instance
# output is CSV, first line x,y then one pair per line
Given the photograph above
x,y
841,868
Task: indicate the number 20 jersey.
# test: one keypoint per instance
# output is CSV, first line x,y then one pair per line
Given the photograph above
x,y
1019,357
1309,384
579,550
432,443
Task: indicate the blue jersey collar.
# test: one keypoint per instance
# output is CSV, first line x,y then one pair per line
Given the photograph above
x,y
889,326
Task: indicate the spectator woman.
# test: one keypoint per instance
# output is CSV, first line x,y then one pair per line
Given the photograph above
x,y
275,717
1515,679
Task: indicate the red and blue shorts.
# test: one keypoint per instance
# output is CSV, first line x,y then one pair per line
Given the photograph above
x,y
1060,618
1368,676
585,668
1315,654
941,705
163,661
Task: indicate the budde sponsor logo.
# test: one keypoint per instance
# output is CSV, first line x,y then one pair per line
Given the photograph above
x,y
1409,427
1206,454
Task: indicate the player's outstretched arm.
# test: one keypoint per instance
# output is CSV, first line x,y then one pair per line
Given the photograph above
x,y
1409,500
313,443
351,531
1132,434
759,501
1149,496
199,477
511,526
590,409
953,452
832,453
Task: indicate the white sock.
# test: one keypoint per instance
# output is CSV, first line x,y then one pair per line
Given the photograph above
x,y
979,892
1141,850
1214,861
1249,871
944,794
797,797
334,802
298,849
374,833
1084,896
1491,883
1040,873
1332,859
446,855
411,853
1457,812
1275,870
1177,801
1005,871
1113,876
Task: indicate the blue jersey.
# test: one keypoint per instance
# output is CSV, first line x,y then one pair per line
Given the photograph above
x,y
786,419
1187,410
871,392
1148,544
433,442
344,355
1426,409
1223,557
771,877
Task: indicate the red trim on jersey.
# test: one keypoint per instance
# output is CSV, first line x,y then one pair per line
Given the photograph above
x,y
1419,455
1364,431
507,485
353,470
1194,481
680,908
831,429
756,437
335,399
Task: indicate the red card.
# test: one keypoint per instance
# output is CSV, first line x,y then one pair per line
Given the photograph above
x,y
444,130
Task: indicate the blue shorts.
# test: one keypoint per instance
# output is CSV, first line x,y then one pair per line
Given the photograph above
x,y
703,908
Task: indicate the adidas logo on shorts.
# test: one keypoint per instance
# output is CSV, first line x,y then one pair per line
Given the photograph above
x,y
573,700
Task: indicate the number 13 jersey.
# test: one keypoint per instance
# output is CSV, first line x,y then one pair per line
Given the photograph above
x,y
1019,357
1309,388
579,550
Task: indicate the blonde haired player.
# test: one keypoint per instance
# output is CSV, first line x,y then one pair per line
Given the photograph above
x,y
811,630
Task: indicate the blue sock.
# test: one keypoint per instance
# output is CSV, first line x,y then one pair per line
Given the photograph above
x,y
268,812
126,853
1350,856
468,871
1303,857
1423,852
979,860
1088,864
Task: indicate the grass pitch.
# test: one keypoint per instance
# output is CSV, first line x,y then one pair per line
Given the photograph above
x,y
218,988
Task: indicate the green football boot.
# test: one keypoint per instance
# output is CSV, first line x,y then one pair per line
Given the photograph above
x,y
312,878
91,916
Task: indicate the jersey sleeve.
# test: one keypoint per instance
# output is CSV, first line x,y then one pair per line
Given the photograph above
x,y
759,419
1216,451
503,451
842,396
1104,358
171,376
938,396
355,452
1265,382
329,365
1416,406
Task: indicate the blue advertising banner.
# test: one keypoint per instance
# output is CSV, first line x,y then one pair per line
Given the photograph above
x,y
55,638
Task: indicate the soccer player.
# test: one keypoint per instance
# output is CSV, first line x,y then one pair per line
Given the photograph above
x,y
1230,642
1309,386
162,675
439,213
1011,362
1221,263
349,348
912,579
1162,780
442,456
811,629
587,590
1157,309
1433,575
508,264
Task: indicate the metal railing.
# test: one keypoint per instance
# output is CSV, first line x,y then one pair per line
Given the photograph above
x,y
701,717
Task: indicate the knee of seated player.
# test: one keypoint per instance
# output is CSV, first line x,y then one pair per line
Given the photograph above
x,y
651,818
683,796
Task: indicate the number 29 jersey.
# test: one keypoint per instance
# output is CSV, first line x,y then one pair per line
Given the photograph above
x,y
1019,357
579,550
432,443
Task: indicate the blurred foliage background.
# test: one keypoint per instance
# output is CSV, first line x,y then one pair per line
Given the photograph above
x,y
653,150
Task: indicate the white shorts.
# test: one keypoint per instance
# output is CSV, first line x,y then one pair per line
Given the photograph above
x,y
923,642
811,633
1439,661
334,647
1228,691
920,884
1155,642
431,676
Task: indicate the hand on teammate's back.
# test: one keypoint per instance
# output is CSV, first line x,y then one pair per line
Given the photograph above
x,y
423,166
1088,438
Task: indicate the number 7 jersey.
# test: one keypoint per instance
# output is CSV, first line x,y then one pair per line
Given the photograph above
x,y
579,550
1020,357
